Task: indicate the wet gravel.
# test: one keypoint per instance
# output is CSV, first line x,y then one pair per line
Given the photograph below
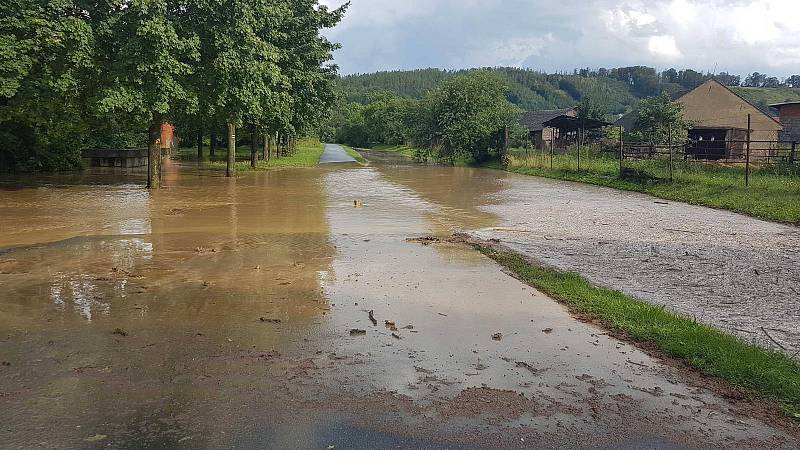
x,y
731,271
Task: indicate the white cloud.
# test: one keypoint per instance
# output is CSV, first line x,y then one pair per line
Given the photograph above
x,y
735,35
664,46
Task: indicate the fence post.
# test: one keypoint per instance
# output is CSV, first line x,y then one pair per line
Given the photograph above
x,y
747,162
580,135
552,144
669,132
621,151
793,158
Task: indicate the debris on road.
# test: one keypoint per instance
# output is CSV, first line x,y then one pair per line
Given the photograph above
x,y
547,330
497,336
372,318
357,332
391,325
119,332
265,320
528,367
396,336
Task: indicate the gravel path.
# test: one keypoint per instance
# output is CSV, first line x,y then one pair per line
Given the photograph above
x,y
727,270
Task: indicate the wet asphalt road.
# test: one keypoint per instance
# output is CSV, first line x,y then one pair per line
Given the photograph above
x,y
335,154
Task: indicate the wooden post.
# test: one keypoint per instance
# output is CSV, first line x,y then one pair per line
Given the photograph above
x,y
253,142
669,133
265,149
747,162
552,144
621,151
230,168
154,155
580,138
793,158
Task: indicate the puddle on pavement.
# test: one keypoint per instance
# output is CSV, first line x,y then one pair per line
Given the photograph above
x,y
217,313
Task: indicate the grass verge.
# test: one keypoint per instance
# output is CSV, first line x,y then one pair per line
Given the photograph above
x,y
769,374
354,154
399,149
307,154
771,195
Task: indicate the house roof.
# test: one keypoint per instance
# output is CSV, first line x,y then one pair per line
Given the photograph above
x,y
628,121
569,123
534,120
779,105
714,80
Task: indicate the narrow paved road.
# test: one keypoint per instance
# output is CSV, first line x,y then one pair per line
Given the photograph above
x,y
335,154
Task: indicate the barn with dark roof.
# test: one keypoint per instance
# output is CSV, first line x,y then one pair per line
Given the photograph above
x,y
534,121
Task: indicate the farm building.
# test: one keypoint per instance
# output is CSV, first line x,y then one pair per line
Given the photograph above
x,y
790,120
719,117
540,134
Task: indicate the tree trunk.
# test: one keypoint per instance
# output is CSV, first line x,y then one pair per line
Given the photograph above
x,y
213,149
265,155
200,145
253,143
230,168
154,155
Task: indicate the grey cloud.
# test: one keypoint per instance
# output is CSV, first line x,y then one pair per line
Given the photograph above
x,y
738,36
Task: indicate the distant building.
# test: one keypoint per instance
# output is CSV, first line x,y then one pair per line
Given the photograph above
x,y
541,135
719,116
789,114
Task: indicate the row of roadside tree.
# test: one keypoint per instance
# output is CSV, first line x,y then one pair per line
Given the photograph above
x,y
77,74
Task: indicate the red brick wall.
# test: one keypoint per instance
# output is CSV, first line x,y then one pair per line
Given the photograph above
x,y
167,136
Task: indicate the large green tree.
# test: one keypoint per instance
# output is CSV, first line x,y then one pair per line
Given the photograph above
x,y
46,56
470,111
145,64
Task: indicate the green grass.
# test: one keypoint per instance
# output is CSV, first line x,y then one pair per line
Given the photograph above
x,y
307,154
399,149
769,374
354,154
772,195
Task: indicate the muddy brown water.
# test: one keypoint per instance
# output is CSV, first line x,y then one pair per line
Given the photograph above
x,y
217,313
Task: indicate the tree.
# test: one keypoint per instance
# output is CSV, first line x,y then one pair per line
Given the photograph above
x,y
470,111
772,82
755,79
46,56
793,81
145,64
658,118
728,79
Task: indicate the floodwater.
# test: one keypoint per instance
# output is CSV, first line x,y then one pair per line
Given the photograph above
x,y
218,313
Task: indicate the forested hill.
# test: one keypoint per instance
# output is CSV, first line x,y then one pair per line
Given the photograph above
x,y
615,91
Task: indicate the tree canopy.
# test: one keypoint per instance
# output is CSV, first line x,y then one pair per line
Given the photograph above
x,y
79,73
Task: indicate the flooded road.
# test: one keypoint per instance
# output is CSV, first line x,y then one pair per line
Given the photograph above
x,y
236,313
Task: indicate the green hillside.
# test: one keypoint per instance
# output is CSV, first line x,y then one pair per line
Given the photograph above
x,y
528,89
616,91
762,97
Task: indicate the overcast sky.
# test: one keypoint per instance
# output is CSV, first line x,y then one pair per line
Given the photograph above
x,y
738,36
